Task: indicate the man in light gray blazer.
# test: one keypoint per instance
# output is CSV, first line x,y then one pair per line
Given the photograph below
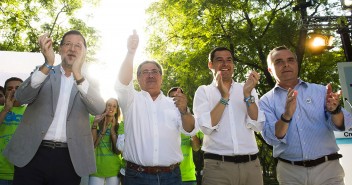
x,y
53,143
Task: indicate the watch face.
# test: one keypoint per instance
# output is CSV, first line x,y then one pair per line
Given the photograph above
x,y
252,99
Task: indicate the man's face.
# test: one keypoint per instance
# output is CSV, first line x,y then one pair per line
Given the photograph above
x,y
284,66
11,86
223,62
71,49
10,89
150,78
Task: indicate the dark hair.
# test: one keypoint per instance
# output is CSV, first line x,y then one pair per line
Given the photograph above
x,y
149,62
11,79
73,32
279,48
172,89
212,52
2,89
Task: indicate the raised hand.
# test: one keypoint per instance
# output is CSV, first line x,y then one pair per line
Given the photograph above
x,y
132,42
77,65
291,103
220,85
9,100
46,47
332,99
98,118
180,100
251,82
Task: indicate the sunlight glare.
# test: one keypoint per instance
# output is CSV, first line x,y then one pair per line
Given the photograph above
x,y
115,21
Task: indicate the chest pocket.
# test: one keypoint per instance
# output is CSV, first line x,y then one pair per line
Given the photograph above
x,y
171,119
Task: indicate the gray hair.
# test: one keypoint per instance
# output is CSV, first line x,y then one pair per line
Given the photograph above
x,y
279,48
149,62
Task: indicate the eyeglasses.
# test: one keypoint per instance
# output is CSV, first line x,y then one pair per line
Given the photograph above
x,y
153,72
70,44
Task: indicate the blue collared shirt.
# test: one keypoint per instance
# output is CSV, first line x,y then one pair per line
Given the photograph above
x,y
310,134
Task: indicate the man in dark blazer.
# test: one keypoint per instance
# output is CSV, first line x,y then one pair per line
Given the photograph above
x,y
53,143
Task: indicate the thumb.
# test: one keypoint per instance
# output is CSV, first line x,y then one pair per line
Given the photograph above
x,y
328,88
178,90
134,32
339,92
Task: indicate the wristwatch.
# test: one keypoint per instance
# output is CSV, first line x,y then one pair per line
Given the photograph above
x,y
249,100
337,110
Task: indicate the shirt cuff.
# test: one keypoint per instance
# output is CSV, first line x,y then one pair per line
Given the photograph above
x,y
83,87
256,125
37,78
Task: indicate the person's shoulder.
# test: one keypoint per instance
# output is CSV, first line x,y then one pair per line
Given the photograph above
x,y
206,86
269,93
315,86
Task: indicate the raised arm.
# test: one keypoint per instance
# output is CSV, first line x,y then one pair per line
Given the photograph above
x,y
126,69
188,121
333,106
46,47
251,82
9,100
282,124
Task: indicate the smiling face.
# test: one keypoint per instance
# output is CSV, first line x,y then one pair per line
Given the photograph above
x,y
111,107
284,67
71,49
222,61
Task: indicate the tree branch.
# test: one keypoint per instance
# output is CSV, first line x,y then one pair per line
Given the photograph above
x,y
57,16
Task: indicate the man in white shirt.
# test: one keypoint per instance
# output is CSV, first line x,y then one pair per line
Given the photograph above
x,y
228,115
53,143
153,123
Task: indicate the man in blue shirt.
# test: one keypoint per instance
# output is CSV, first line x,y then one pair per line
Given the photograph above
x,y
300,120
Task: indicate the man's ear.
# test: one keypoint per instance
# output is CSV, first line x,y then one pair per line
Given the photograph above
x,y
210,65
270,71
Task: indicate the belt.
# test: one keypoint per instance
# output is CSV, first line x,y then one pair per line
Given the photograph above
x,y
235,159
315,162
151,169
53,144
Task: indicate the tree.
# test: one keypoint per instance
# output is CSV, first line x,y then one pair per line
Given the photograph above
x,y
22,22
182,32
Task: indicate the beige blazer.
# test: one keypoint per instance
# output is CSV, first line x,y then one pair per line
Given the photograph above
x,y
39,115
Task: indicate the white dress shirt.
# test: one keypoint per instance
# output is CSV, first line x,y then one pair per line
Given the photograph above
x,y
234,134
57,129
152,128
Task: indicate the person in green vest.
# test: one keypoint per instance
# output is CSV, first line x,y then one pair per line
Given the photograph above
x,y
188,145
120,144
108,158
10,116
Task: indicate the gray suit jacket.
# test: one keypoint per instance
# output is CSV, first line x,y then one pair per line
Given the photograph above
x,y
39,115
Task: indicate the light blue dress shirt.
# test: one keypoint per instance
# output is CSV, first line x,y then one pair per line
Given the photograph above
x,y
310,134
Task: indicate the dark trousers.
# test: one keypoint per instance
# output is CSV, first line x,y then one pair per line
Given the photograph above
x,y
48,167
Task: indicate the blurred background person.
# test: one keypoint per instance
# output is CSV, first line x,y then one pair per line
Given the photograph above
x,y
120,145
188,145
10,116
107,156
2,95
